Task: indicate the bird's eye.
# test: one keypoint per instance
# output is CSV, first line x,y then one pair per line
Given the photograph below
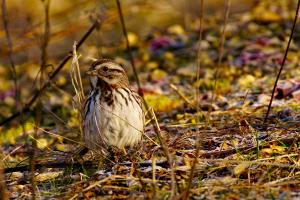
x,y
105,68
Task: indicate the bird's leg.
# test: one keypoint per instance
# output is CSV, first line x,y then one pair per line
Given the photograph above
x,y
82,151
79,152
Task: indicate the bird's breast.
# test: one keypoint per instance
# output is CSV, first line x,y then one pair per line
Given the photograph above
x,y
117,117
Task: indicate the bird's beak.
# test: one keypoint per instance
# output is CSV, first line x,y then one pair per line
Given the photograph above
x,y
91,72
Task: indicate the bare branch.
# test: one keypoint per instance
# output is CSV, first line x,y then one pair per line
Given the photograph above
x,y
39,92
3,192
10,52
128,47
45,41
282,63
221,52
191,175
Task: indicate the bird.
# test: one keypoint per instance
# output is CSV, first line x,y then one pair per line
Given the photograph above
x,y
112,113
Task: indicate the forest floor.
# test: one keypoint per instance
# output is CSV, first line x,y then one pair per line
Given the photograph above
x,y
239,157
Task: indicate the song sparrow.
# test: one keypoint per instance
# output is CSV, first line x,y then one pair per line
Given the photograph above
x,y
113,115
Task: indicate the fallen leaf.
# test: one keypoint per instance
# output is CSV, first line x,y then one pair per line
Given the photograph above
x,y
240,168
47,176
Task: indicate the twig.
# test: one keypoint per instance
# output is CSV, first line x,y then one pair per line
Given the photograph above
x,y
39,92
154,178
18,103
38,116
282,63
191,175
77,85
167,153
247,149
3,193
63,164
221,52
95,184
79,165
32,167
128,47
45,42
75,76
273,183
10,52
154,123
10,153
17,92
273,164
181,94
198,59
60,136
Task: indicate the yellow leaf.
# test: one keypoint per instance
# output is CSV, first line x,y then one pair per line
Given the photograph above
x,y
9,101
88,194
224,145
61,147
146,56
240,168
246,81
42,143
162,103
228,180
265,15
234,142
151,65
10,135
16,175
47,176
61,81
176,29
267,150
158,74
276,148
193,121
179,116
168,56
133,39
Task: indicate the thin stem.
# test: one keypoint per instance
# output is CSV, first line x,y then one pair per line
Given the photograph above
x,y
32,168
39,92
221,52
38,116
10,52
124,29
198,58
154,123
18,103
45,42
167,153
282,63
189,183
3,191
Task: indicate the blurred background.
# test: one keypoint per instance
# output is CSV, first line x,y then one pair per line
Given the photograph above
x,y
70,18
237,57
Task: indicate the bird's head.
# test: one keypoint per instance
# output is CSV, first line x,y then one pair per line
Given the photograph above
x,y
108,71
